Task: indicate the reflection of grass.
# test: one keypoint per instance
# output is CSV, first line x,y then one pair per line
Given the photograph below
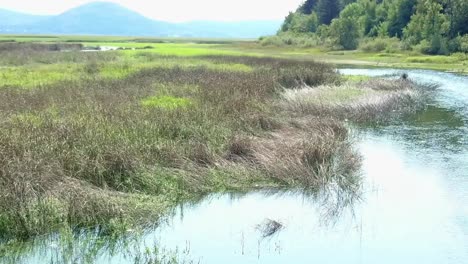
x,y
88,246
434,115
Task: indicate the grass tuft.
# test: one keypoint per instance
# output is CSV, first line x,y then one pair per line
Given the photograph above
x,y
165,102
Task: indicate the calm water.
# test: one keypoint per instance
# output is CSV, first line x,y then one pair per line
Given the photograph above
x,y
413,209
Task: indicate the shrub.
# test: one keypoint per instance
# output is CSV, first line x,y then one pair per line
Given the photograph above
x,y
389,45
345,33
464,43
292,39
272,41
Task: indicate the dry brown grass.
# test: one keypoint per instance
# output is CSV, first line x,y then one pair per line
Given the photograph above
x,y
308,152
365,101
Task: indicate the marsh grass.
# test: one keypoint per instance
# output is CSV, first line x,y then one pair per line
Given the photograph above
x,y
31,46
363,101
117,152
31,70
131,134
166,102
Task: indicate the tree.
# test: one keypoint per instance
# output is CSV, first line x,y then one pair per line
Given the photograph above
x,y
307,7
430,24
344,3
304,23
435,26
457,10
370,21
286,26
327,10
399,16
346,29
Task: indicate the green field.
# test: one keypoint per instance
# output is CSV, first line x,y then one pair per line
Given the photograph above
x,y
200,47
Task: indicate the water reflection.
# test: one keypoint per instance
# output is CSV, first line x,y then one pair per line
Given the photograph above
x,y
222,224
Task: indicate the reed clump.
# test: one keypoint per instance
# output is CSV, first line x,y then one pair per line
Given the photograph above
x,y
370,100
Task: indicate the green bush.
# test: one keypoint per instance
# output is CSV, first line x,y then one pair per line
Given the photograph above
x,y
344,33
463,43
389,45
271,41
436,46
290,39
304,23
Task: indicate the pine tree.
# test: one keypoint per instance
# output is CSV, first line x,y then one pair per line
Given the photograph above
x,y
457,11
327,10
307,7
400,16
286,26
344,3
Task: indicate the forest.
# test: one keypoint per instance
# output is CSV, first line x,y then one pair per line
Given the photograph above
x,y
428,26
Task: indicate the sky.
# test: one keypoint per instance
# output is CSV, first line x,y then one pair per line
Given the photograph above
x,y
172,10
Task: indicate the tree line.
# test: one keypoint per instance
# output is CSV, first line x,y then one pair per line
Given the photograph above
x,y
435,26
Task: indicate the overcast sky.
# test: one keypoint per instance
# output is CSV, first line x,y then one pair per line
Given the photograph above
x,y
173,10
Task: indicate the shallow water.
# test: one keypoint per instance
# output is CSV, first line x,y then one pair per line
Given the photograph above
x,y
413,209
101,48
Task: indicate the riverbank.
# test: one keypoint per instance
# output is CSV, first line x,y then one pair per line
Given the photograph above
x,y
457,63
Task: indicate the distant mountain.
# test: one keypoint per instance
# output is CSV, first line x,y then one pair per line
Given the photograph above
x,y
239,29
12,18
101,18
105,18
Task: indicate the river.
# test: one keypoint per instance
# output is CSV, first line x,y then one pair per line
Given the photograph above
x,y
413,207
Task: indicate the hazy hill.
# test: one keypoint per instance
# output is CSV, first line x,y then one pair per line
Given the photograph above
x,y
245,29
101,18
12,18
105,18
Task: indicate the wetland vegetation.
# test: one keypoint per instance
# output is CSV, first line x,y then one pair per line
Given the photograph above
x,y
112,141
102,139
